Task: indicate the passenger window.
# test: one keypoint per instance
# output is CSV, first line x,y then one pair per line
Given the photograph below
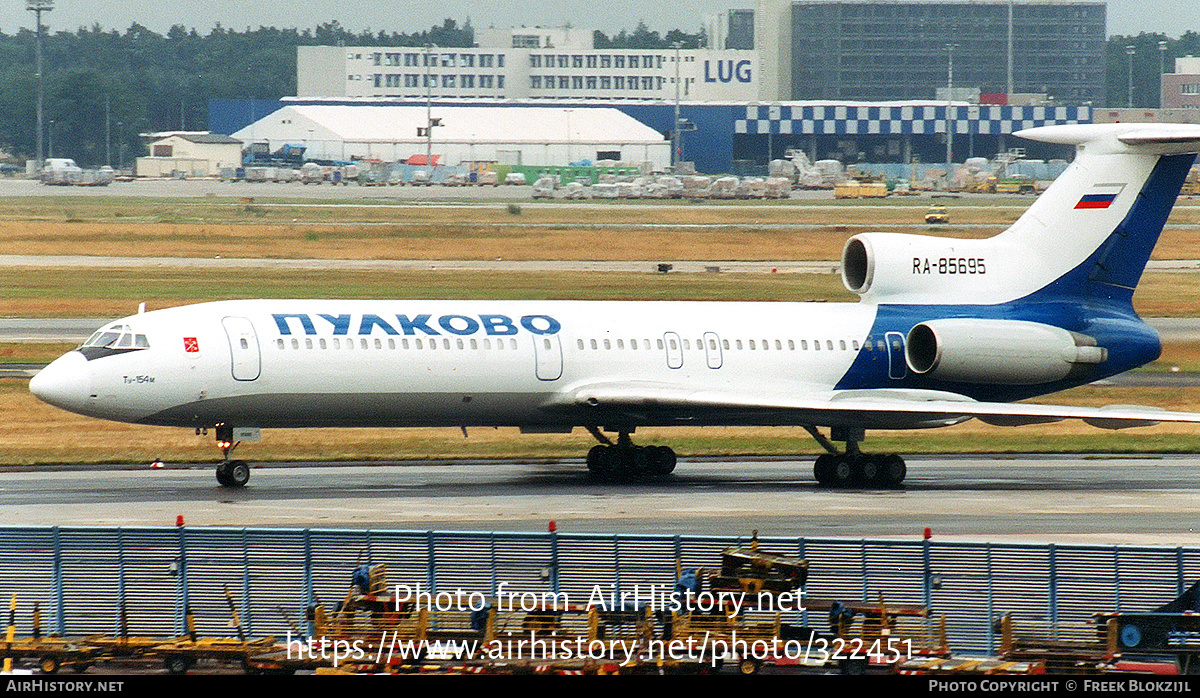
x,y
487,344
594,344
295,343
752,347
419,344
804,345
842,343
791,345
660,344
633,344
607,344
307,343
512,343
686,344
778,345
378,343
739,345
545,343
816,345
404,343
321,342
446,344
725,343
363,343
460,344
474,343
580,343
279,343
337,343
854,344
391,343
829,344
620,344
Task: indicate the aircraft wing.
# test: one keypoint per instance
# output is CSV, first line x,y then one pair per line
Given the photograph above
x,y
654,403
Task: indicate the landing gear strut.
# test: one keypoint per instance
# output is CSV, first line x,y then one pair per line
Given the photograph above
x,y
853,467
624,461
230,473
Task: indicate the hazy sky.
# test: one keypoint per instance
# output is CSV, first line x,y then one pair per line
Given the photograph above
x,y
1172,17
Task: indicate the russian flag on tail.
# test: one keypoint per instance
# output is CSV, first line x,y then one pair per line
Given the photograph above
x,y
1101,196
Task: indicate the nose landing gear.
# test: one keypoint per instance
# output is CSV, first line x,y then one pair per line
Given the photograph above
x,y
230,473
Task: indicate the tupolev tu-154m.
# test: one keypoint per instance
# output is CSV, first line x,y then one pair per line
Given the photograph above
x,y
945,330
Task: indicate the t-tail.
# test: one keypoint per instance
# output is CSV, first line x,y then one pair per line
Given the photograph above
x,y
1088,236
1046,304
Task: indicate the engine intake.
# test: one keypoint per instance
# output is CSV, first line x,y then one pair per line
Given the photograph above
x,y
1007,352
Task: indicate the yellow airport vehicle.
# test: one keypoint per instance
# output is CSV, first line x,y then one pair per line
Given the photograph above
x,y
937,214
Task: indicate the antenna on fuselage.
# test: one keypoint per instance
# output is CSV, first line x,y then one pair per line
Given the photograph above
x,y
141,307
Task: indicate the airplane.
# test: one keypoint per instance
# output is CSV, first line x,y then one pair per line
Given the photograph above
x,y
945,330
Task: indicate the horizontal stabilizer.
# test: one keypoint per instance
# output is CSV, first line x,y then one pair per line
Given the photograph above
x,y
1162,139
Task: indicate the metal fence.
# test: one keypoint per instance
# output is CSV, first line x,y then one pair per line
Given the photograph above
x,y
80,577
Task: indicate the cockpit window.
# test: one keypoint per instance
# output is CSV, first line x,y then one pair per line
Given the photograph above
x,y
117,339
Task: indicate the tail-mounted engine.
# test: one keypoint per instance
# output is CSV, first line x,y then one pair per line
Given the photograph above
x,y
899,268
1007,352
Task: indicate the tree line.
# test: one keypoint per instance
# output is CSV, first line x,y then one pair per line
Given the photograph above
x,y
1145,64
124,83
104,87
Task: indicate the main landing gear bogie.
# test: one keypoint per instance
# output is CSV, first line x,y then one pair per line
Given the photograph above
x,y
630,462
851,469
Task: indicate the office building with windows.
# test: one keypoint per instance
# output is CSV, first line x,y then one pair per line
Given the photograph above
x,y
539,69
901,49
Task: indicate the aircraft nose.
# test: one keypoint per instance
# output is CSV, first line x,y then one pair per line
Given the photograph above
x,y
65,383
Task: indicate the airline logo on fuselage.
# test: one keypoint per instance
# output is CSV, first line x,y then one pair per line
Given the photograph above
x,y
419,324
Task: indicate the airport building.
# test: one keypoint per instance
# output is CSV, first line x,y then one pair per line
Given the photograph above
x,y
845,79
507,135
727,137
901,49
188,153
533,64
1181,89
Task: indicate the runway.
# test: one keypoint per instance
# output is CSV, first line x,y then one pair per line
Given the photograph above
x,y
1128,499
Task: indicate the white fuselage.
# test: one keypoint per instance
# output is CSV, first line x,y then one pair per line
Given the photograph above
x,y
300,363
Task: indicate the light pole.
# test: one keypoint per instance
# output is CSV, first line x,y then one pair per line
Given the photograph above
x,y
1010,47
429,110
949,108
675,154
37,7
1129,51
50,132
1162,68
120,145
